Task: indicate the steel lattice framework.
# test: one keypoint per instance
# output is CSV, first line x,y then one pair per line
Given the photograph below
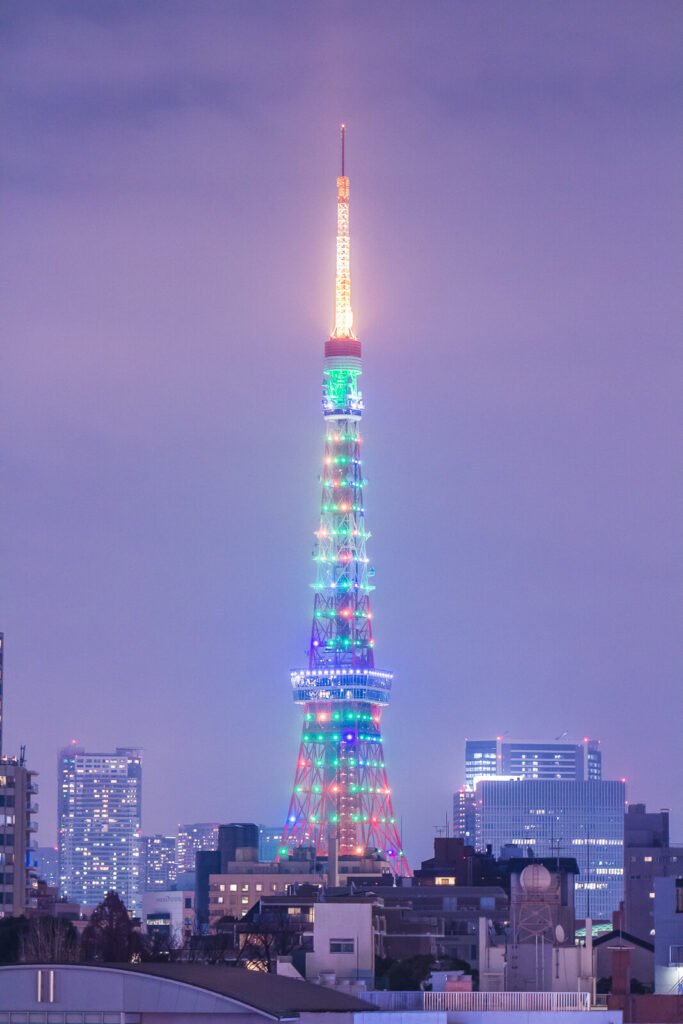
x,y
340,783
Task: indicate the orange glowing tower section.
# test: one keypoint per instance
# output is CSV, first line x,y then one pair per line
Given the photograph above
x,y
340,784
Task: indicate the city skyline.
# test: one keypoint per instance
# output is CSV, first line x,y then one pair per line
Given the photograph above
x,y
167,197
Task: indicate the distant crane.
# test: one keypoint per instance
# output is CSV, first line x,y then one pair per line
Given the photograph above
x,y
562,735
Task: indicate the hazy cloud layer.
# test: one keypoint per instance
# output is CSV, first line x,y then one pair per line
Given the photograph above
x,y
167,181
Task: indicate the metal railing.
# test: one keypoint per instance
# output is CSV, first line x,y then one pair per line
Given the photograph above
x,y
395,1000
506,1002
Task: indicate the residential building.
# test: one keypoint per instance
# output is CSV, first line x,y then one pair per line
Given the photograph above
x,y
642,957
233,892
668,900
99,805
191,839
158,862
18,808
457,863
2,664
343,940
555,817
647,855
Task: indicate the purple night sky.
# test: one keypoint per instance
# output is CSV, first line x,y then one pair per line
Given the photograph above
x,y
167,261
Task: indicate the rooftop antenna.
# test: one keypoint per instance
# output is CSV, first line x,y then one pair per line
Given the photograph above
x,y
343,139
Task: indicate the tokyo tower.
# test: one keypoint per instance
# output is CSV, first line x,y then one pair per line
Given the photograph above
x,y
340,783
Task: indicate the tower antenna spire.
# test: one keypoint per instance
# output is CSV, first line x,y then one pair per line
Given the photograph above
x,y
343,314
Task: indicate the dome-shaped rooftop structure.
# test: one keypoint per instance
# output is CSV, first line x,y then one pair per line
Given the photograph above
x,y
535,879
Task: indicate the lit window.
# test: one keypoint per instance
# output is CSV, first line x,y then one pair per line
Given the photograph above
x,y
651,895
221,888
648,860
220,899
245,887
245,901
233,887
259,887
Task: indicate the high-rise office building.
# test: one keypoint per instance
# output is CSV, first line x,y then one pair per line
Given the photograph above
x,y
191,838
552,760
99,803
482,758
487,758
561,818
46,864
340,783
158,862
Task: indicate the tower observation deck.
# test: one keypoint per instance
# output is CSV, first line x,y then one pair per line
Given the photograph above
x,y
340,782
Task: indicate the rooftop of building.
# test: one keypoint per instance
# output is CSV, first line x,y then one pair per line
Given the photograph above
x,y
193,991
270,993
613,935
565,864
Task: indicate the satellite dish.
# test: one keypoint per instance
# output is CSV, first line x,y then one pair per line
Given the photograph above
x,y
559,933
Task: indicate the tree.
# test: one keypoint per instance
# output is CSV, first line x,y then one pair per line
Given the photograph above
x,y
110,936
408,974
261,941
49,940
162,945
12,930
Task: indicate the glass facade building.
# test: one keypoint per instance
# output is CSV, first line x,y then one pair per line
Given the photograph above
x,y
481,758
99,805
551,760
562,818
488,758
199,835
269,842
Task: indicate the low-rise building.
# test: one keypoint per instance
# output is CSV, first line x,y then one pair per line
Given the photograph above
x,y
669,936
169,913
344,940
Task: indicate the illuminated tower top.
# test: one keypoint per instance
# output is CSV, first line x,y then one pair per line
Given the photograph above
x,y
343,322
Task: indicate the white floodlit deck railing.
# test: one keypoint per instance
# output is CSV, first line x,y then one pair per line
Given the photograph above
x,y
506,1002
